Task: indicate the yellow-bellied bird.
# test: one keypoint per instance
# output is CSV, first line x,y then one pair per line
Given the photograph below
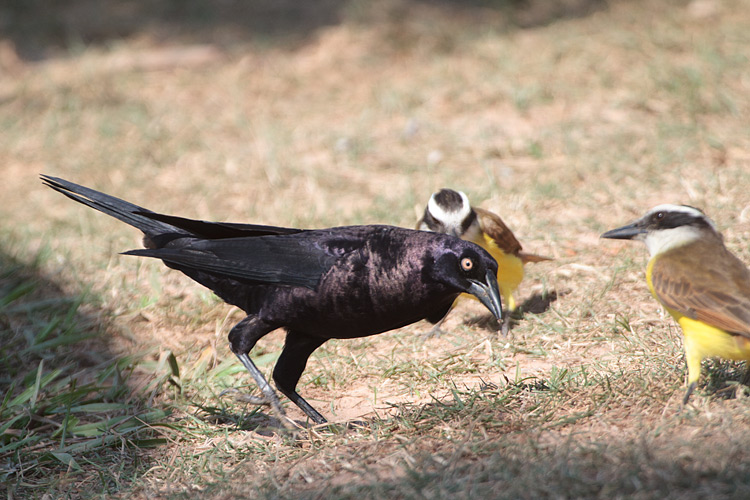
x,y
699,282
450,212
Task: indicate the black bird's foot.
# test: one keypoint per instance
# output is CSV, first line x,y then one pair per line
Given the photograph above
x,y
433,333
244,397
279,412
436,331
343,427
269,396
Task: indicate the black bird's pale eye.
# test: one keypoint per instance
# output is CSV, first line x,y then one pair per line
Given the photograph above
x,y
467,264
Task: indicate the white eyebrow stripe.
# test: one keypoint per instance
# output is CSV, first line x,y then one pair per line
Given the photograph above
x,y
669,207
453,217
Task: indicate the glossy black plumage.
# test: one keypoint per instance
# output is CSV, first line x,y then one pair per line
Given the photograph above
x,y
342,282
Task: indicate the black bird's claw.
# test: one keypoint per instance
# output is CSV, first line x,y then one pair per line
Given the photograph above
x,y
242,397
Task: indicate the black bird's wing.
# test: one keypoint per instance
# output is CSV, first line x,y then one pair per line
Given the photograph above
x,y
701,289
277,259
218,230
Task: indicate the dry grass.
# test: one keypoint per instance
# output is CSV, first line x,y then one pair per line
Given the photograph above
x,y
567,120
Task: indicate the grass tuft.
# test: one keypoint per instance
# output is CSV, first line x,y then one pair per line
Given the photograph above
x,y
60,417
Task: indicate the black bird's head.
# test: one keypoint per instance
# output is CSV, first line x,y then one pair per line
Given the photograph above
x,y
468,268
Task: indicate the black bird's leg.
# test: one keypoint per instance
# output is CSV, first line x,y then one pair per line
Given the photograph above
x,y
289,368
242,338
437,329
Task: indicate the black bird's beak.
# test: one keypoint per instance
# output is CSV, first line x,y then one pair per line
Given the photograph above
x,y
488,294
625,232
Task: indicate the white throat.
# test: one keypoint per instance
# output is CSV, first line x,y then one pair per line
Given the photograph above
x,y
666,239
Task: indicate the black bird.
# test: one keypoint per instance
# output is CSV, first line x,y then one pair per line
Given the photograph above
x,y
341,282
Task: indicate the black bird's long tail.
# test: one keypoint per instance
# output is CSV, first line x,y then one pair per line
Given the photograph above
x,y
159,229
127,212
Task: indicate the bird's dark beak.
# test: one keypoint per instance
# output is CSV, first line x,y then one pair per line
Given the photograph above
x,y
625,232
488,294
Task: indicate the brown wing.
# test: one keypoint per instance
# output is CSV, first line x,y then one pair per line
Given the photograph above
x,y
707,283
494,227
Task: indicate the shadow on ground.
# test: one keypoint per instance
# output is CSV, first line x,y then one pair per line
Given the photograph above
x,y
68,412
521,468
41,29
35,317
536,304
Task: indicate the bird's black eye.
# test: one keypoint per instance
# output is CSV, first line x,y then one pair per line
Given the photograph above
x,y
657,217
467,264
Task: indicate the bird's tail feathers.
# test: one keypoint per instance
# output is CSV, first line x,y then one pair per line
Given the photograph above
x,y
127,212
531,257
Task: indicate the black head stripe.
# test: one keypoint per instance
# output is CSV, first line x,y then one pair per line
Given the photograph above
x,y
431,222
672,219
468,221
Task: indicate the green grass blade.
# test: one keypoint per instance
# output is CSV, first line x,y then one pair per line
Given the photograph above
x,y
31,392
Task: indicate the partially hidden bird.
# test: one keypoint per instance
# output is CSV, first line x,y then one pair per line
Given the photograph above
x,y
702,285
449,212
320,284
